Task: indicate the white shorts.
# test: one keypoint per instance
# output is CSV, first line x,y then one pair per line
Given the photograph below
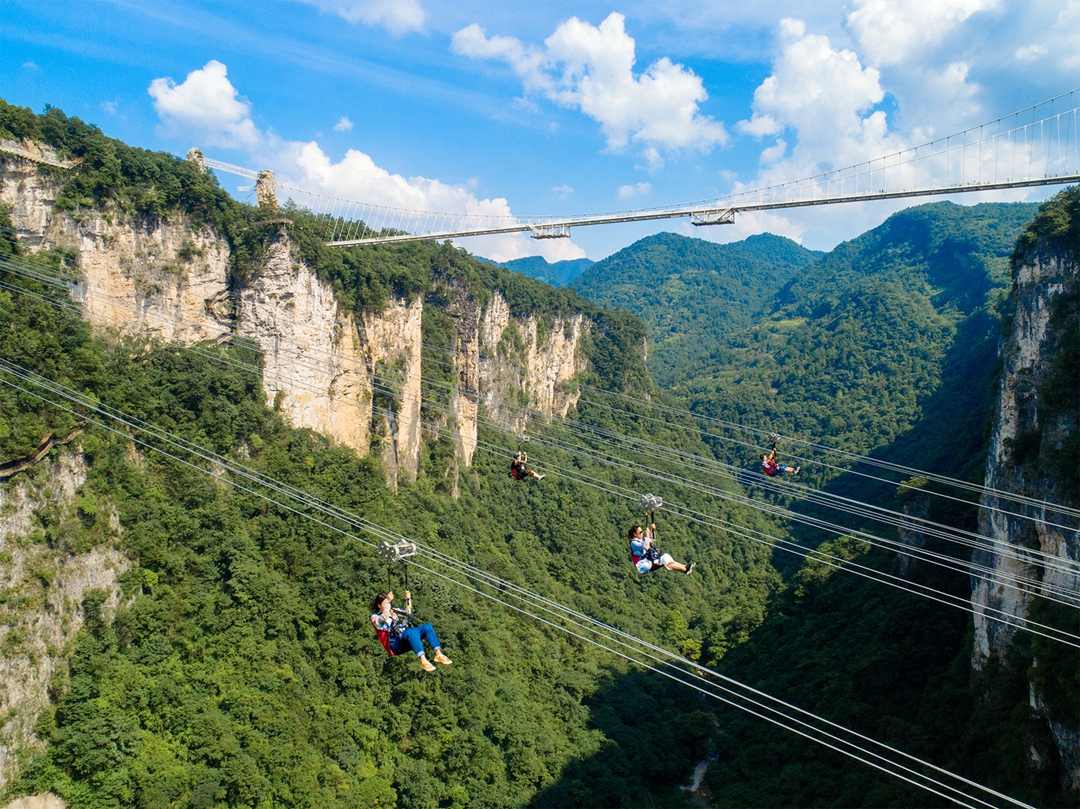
x,y
644,565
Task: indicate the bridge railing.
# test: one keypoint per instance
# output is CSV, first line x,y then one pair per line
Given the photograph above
x,y
1039,145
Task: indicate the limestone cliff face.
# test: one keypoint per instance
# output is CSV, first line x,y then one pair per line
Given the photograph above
x,y
356,380
394,341
1027,355
140,276
510,366
1028,429
314,363
43,589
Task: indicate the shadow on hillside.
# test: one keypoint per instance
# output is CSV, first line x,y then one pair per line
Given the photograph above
x,y
950,438
655,732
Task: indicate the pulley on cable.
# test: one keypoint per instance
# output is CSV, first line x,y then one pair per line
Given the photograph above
x,y
396,553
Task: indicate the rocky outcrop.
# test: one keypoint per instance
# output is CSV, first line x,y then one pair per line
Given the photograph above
x,y
42,590
143,276
393,341
315,371
44,801
1032,454
1021,433
30,195
521,362
354,380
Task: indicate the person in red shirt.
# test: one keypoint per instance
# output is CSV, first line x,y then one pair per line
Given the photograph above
x,y
771,468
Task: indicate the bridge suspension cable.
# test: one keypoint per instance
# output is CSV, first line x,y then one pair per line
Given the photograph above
x,y
1039,145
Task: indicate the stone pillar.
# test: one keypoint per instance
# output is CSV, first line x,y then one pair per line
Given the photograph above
x,y
265,193
196,156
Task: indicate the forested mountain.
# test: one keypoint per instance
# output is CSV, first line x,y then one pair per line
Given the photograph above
x,y
558,274
899,667
896,328
693,293
224,656
232,663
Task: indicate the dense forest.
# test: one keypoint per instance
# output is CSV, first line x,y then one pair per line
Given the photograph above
x,y
693,293
240,668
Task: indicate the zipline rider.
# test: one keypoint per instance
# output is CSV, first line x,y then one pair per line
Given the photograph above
x,y
646,557
392,626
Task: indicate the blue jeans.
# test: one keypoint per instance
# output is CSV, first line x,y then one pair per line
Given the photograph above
x,y
412,636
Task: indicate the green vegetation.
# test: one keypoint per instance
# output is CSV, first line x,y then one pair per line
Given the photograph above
x,y
692,293
898,668
893,330
240,668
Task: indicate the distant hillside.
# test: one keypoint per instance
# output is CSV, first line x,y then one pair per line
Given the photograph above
x,y
558,274
692,292
854,348
933,264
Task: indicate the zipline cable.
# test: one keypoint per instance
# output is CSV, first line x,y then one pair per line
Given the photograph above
x,y
753,505
811,495
68,284
851,456
222,461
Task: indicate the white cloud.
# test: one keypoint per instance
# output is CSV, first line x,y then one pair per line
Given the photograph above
x,y
773,153
653,161
636,190
888,32
396,16
591,68
826,98
29,66
1065,37
357,177
343,124
1029,53
562,191
109,107
207,106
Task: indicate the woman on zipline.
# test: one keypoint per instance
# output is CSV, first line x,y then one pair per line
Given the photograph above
x,y
645,556
394,633
771,468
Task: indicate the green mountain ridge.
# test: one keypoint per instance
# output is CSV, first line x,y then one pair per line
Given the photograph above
x,y
850,347
691,292
558,273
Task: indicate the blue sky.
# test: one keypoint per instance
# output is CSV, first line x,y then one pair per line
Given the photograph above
x,y
545,107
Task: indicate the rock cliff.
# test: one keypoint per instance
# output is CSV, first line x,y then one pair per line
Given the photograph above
x,y
1033,453
351,378
41,592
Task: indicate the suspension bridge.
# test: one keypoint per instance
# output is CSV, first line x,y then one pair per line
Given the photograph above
x,y
1036,146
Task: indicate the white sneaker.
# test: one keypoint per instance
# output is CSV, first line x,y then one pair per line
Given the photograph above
x,y
540,477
